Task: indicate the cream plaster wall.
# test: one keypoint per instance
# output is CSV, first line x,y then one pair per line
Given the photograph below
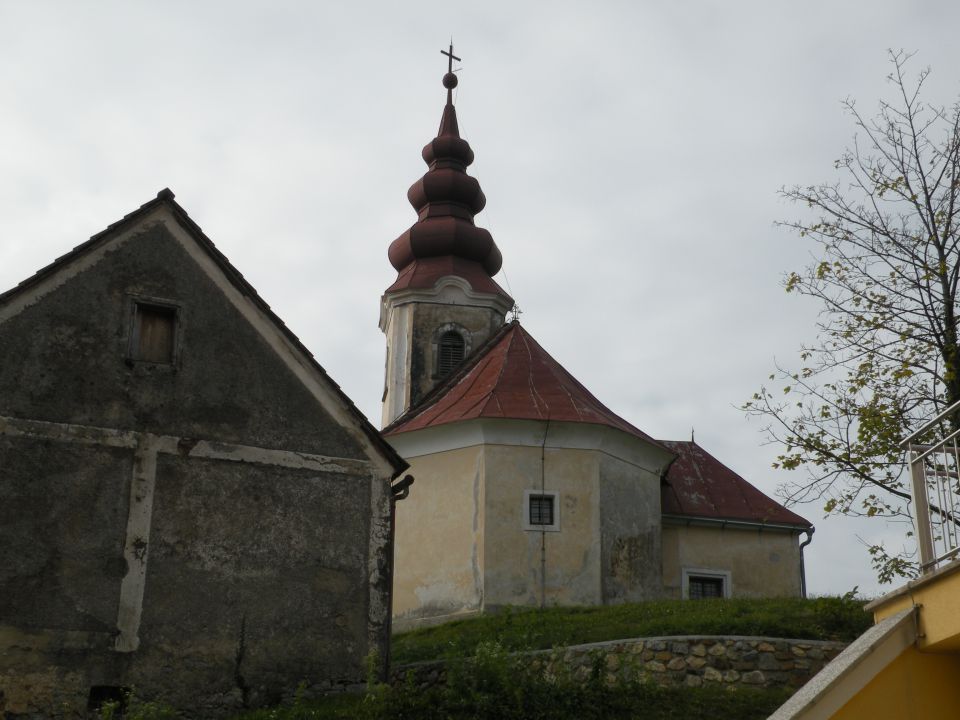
x,y
531,567
761,563
438,561
461,545
629,531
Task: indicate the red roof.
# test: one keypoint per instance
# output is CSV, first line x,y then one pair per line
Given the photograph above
x,y
699,485
445,240
511,377
425,273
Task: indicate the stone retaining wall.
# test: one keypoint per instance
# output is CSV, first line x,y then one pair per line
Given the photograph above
x,y
684,660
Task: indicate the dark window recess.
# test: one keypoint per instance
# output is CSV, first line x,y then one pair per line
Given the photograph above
x,y
449,352
541,509
705,587
154,332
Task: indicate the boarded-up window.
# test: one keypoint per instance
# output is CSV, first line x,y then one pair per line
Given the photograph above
x,y
154,333
450,352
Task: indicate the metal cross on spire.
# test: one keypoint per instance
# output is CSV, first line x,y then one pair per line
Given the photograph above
x,y
450,80
450,57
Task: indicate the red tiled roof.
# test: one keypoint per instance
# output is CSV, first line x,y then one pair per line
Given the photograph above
x,y
699,485
511,377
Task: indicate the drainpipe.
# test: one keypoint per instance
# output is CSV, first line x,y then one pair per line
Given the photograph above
x,y
398,491
543,533
803,571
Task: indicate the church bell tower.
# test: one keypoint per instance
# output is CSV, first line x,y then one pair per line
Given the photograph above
x,y
444,303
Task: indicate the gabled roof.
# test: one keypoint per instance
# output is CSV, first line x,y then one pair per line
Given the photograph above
x,y
700,486
511,377
166,198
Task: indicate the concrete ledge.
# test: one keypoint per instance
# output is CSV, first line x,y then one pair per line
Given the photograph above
x,y
838,682
922,581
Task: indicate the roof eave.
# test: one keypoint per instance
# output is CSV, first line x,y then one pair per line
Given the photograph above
x,y
684,519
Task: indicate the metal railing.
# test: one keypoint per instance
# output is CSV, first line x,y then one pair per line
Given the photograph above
x,y
935,482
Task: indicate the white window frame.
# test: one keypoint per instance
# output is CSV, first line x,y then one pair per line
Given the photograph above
x,y
711,573
555,527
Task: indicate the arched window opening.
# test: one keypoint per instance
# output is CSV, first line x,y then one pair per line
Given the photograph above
x,y
449,352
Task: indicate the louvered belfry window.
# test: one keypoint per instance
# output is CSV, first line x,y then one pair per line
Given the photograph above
x,y
449,352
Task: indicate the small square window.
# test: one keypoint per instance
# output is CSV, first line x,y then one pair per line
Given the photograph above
x,y
154,333
541,511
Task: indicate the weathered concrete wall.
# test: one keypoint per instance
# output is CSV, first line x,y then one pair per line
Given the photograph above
x,y
63,514
629,532
762,563
438,553
533,567
205,531
690,661
287,567
65,359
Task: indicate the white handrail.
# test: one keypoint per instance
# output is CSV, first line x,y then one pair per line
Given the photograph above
x,y
916,433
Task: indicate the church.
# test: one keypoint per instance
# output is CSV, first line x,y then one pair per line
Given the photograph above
x,y
191,507
529,491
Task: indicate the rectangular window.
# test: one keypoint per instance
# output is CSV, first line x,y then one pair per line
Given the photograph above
x,y
701,583
541,510
154,333
705,587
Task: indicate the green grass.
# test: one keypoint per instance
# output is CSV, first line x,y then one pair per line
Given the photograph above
x,y
496,687
826,618
484,681
648,702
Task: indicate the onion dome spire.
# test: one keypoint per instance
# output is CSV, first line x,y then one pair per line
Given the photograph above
x,y
446,200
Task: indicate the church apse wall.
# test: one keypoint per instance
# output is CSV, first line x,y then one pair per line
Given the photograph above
x,y
439,537
528,565
525,513
629,532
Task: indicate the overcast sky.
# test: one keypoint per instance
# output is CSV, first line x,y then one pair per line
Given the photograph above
x,y
630,152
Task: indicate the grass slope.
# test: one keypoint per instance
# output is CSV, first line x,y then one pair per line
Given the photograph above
x,y
542,702
824,618
485,682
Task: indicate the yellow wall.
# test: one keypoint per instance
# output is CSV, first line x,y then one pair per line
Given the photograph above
x,y
462,544
761,564
572,556
938,595
915,685
438,561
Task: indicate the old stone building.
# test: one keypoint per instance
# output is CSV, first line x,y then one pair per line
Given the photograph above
x,y
189,506
530,491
